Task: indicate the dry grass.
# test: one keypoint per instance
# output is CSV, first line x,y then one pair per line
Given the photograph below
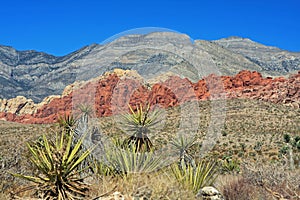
x,y
155,185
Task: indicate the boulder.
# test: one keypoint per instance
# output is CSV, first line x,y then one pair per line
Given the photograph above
x,y
209,193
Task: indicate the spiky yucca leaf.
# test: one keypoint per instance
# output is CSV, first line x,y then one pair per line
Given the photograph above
x,y
85,109
129,161
139,124
67,122
196,177
57,163
182,146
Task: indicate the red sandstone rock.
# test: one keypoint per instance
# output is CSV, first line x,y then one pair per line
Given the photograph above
x,y
112,94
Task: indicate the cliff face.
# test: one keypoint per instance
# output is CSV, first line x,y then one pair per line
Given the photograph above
x,y
109,94
37,75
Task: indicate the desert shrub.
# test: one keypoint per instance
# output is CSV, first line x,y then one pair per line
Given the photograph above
x,y
297,138
57,162
242,189
287,138
284,150
298,145
297,142
237,190
275,179
291,150
229,165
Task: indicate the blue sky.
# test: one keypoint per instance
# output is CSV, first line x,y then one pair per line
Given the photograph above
x,y
59,27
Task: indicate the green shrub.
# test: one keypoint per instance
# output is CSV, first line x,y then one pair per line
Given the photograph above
x,y
297,142
298,145
287,138
229,165
284,150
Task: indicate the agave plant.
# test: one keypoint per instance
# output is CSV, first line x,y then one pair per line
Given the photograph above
x,y
139,123
196,177
58,176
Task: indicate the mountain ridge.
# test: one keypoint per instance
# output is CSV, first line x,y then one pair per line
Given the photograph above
x,y
270,58
37,75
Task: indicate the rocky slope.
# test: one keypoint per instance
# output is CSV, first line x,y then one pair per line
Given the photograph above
x,y
112,92
37,75
270,59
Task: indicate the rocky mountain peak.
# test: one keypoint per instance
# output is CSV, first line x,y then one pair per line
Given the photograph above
x,y
244,43
13,57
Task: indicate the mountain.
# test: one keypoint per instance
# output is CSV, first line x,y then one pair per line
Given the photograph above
x,y
37,75
271,59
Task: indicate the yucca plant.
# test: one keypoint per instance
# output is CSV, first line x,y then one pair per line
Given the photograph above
x,y
139,123
85,110
196,177
182,146
125,161
67,123
57,161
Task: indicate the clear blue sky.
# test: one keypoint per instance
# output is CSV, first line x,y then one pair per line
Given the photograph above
x,y
59,27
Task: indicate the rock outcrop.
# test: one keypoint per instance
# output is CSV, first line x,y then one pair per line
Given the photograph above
x,y
110,94
19,105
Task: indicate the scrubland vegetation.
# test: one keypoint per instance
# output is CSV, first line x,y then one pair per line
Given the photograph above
x,y
256,156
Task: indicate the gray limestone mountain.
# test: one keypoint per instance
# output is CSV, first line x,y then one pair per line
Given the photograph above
x,y
37,75
272,60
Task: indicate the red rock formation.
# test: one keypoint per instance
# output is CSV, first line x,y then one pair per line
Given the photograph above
x,y
112,94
